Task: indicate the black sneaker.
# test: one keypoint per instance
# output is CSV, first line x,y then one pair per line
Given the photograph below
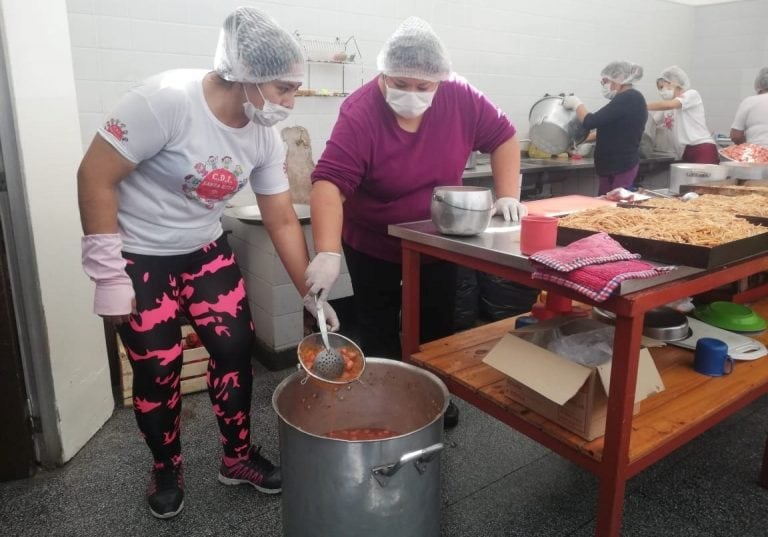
x,y
253,470
451,416
165,493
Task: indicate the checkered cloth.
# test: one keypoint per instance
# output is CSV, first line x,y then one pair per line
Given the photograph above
x,y
599,281
592,250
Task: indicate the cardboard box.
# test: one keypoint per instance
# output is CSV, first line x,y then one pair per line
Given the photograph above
x,y
570,394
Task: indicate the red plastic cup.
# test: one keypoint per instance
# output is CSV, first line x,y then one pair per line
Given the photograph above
x,y
537,232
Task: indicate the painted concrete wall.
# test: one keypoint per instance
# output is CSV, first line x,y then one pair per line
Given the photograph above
x,y
730,45
39,63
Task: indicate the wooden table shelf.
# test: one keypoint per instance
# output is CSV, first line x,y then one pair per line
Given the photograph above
x,y
688,397
690,404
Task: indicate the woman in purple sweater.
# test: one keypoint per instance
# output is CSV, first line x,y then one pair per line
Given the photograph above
x,y
397,137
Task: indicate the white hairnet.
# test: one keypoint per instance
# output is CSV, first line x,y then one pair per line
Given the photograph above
x,y
414,51
253,48
761,80
675,75
622,72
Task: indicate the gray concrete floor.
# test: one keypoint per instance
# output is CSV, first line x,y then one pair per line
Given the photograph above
x,y
496,482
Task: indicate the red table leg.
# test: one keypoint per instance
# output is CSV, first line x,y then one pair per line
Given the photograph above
x,y
410,306
618,427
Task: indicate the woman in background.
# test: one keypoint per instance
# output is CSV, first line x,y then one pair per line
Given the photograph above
x,y
684,114
619,125
751,121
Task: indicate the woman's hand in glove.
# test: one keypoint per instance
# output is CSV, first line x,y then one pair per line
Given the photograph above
x,y
322,273
331,319
510,208
114,298
571,102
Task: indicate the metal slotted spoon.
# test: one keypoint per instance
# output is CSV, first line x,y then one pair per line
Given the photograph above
x,y
328,364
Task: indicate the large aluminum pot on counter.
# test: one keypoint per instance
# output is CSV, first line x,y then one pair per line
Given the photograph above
x,y
364,458
683,173
461,210
554,129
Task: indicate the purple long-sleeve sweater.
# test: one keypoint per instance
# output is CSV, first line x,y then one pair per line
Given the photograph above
x,y
387,174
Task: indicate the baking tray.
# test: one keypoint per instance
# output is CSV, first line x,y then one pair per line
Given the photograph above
x,y
727,187
675,253
758,220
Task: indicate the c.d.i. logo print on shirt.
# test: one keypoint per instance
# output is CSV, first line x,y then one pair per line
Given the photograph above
x,y
213,181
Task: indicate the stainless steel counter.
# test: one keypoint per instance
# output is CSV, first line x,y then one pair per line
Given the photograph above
x,y
530,166
500,244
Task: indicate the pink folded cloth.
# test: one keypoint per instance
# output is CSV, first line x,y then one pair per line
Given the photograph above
x,y
591,250
598,282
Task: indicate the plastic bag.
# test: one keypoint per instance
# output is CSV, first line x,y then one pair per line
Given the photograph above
x,y
501,299
466,299
591,348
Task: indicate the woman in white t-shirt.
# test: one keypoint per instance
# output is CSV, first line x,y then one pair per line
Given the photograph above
x,y
152,188
751,121
684,115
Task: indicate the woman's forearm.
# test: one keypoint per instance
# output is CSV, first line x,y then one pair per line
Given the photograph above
x,y
100,171
327,211
286,234
505,166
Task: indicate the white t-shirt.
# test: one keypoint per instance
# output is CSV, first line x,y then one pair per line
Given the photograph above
x,y
752,118
188,164
688,123
658,128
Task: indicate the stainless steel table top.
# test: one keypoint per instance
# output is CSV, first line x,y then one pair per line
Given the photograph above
x,y
500,244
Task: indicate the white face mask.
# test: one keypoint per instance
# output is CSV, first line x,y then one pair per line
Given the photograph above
x,y
608,93
409,104
270,114
667,93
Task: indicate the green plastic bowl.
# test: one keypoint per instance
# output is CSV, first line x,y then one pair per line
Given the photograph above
x,y
730,316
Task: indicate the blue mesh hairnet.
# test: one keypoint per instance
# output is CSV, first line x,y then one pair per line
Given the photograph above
x,y
761,80
414,51
253,48
622,72
675,75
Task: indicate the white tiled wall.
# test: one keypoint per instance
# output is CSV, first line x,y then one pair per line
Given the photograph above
x,y
513,50
730,45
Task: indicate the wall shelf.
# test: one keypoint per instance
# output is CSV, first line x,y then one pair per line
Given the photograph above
x,y
327,54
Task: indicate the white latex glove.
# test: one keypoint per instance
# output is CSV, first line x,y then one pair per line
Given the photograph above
x,y
619,194
331,319
103,262
321,273
571,102
510,208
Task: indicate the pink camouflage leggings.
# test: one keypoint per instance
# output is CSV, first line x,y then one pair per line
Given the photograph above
x,y
208,288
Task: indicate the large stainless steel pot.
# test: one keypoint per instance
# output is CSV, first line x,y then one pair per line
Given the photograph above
x,y
376,488
461,210
553,129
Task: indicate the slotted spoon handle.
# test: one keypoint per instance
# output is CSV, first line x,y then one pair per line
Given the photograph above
x,y
321,322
